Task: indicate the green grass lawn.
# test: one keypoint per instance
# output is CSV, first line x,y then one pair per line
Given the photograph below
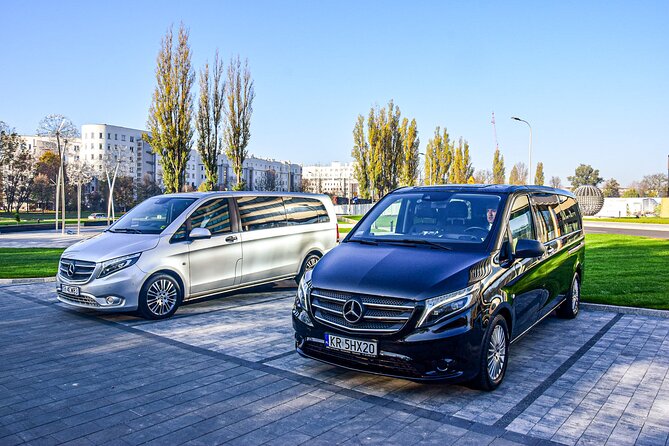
x,y
7,218
656,220
626,270
20,263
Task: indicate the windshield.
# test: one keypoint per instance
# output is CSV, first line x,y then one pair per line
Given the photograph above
x,y
152,216
449,219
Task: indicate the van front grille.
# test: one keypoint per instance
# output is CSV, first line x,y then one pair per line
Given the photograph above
x,y
76,270
79,300
383,315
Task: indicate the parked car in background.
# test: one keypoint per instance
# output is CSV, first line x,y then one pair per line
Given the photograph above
x,y
97,216
435,283
179,247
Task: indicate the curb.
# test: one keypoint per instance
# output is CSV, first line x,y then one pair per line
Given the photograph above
x,y
30,280
626,310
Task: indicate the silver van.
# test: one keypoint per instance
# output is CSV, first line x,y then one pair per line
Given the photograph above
x,y
178,247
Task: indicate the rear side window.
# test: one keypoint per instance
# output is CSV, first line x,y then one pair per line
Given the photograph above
x,y
570,219
261,212
304,211
520,221
548,220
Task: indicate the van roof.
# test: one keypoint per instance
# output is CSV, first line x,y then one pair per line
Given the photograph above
x,y
487,188
244,193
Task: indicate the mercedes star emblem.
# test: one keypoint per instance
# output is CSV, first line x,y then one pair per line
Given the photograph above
x,y
353,311
71,269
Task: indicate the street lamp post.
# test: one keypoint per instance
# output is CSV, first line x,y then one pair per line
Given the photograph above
x,y
529,168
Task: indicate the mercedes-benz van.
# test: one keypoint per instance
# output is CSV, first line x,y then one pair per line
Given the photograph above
x,y
178,247
435,283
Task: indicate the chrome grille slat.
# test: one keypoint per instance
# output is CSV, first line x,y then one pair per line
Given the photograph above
x,y
384,315
80,300
82,272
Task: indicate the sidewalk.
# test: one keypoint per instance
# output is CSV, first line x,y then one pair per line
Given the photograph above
x,y
46,239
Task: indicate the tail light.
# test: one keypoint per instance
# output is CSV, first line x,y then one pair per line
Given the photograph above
x,y
337,232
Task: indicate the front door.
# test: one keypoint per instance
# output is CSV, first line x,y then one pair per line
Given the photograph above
x,y
214,263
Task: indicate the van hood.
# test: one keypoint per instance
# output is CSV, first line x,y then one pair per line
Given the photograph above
x,y
408,272
109,245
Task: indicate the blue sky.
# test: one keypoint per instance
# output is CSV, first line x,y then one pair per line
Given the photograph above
x,y
591,77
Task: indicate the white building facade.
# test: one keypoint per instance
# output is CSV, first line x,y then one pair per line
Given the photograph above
x,y
335,179
39,145
287,176
107,144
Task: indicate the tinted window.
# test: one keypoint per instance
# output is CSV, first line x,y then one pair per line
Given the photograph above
x,y
520,221
261,212
570,220
548,221
303,211
213,215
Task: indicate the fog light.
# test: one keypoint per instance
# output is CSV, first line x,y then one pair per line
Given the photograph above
x,y
444,364
113,300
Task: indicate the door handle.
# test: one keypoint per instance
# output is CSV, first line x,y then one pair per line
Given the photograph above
x,y
550,249
231,238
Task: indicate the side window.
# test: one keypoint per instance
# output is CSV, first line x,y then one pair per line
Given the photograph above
x,y
304,211
213,215
520,221
570,218
548,220
261,212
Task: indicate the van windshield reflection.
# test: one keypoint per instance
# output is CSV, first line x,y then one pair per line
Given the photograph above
x,y
152,216
432,219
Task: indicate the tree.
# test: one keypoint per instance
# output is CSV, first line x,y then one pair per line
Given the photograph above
x,y
461,169
61,132
239,95
654,185
81,173
125,193
208,122
115,164
518,174
498,170
484,177
268,181
147,188
171,112
410,154
360,154
438,158
18,170
585,174
539,175
556,182
42,191
611,188
631,193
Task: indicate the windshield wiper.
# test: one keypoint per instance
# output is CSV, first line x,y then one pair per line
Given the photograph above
x,y
419,242
126,230
363,241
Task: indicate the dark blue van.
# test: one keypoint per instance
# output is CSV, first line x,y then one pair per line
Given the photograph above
x,y
435,283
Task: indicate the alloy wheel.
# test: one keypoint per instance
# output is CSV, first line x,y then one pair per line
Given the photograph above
x,y
161,297
575,296
496,353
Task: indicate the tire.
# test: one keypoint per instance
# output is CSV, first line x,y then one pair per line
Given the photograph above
x,y
494,355
160,297
569,308
309,262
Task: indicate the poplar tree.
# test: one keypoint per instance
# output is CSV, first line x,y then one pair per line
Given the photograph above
x,y
458,169
239,95
208,122
410,154
438,158
539,175
498,170
171,112
518,174
360,154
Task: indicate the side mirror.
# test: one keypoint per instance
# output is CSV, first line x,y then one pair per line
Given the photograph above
x,y
526,249
199,233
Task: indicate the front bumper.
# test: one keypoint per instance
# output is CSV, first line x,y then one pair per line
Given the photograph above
x,y
117,292
449,351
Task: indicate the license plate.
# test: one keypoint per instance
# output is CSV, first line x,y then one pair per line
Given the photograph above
x,y
73,290
356,346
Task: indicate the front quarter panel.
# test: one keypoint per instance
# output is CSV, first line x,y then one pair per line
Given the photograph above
x,y
172,257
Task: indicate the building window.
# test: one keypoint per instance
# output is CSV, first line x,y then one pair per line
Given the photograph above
x,y
122,137
100,135
99,156
92,156
108,146
108,135
132,139
100,146
92,146
115,136
92,135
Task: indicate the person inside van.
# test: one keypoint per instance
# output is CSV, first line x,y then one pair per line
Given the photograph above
x,y
490,216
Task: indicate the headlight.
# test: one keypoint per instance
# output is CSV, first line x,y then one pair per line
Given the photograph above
x,y
300,305
438,307
117,264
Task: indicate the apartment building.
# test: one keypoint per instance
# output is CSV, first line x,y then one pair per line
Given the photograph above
x,y
38,145
104,144
335,178
287,176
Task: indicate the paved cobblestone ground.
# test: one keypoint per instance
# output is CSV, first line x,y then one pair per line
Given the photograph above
x,y
224,371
